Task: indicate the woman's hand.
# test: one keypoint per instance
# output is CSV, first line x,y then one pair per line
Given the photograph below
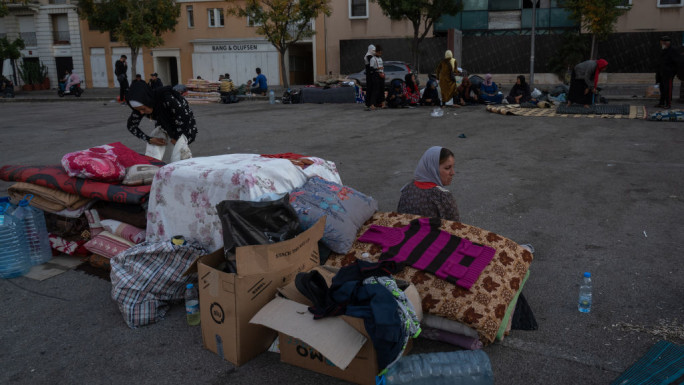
x,y
158,141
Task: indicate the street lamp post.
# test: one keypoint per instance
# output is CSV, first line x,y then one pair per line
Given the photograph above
x,y
534,23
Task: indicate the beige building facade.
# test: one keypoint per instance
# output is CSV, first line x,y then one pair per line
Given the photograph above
x,y
652,15
207,42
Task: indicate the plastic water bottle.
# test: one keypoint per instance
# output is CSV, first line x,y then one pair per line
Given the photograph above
x,y
271,97
9,206
192,310
463,367
35,231
584,304
14,253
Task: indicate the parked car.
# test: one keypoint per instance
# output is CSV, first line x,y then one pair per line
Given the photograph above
x,y
393,70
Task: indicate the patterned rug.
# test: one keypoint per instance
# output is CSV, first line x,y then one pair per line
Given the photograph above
x,y
635,112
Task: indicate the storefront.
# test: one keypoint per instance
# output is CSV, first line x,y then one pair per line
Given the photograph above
x,y
238,57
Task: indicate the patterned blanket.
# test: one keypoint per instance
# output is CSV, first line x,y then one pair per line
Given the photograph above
x,y
484,306
55,177
635,112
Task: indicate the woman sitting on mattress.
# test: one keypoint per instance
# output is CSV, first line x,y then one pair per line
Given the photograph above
x,y
173,116
426,195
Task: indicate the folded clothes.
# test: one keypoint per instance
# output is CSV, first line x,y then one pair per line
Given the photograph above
x,y
465,342
45,198
455,327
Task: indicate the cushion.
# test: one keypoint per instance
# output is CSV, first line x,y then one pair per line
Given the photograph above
x,y
124,230
108,245
94,222
140,174
97,163
346,210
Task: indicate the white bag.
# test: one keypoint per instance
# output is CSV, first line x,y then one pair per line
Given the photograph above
x,y
536,93
181,150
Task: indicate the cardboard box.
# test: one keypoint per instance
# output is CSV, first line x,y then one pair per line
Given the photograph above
x,y
336,346
228,301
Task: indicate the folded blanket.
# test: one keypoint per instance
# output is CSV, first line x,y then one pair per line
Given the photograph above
x,y
47,199
483,307
56,178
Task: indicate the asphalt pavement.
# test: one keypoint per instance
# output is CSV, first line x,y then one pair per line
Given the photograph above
x,y
598,195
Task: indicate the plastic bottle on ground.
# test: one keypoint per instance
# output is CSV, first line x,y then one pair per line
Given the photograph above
x,y
14,255
584,304
271,96
35,231
463,367
192,310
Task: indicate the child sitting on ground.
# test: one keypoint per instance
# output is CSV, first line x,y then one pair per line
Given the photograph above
x,y
396,97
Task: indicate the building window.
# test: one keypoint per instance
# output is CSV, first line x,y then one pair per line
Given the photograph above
x,y
252,23
215,17
191,16
625,4
670,3
358,9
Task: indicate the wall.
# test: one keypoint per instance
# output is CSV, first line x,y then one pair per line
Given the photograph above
x,y
339,27
646,16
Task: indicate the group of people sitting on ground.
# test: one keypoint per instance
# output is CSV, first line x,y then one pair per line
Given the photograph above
x,y
457,89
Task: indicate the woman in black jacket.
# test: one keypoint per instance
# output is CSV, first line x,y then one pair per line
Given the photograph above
x,y
171,112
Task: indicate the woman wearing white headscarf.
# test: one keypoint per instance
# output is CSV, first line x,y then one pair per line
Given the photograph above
x,y
369,78
426,195
446,74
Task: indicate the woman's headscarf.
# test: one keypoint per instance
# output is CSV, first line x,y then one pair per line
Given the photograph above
x,y
371,52
522,80
408,79
139,94
428,167
448,54
488,80
601,64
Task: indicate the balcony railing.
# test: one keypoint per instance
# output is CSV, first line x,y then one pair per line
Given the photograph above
x,y
60,37
29,39
59,1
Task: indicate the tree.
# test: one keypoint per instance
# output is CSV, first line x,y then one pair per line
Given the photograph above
x,y
283,22
421,13
12,51
597,16
138,23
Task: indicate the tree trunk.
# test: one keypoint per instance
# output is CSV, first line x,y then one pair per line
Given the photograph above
x,y
414,50
134,59
594,48
14,71
283,69
681,91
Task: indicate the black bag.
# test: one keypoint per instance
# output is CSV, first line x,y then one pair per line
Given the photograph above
x,y
292,97
257,223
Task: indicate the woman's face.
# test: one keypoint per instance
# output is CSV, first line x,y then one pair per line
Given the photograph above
x,y
517,81
446,171
143,110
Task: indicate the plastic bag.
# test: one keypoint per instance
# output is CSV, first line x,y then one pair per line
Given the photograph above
x,y
536,93
257,223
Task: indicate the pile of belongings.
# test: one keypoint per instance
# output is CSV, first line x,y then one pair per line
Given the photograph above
x,y
202,91
93,202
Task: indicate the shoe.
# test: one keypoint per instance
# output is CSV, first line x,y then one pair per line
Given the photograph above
x,y
528,247
658,106
504,101
667,107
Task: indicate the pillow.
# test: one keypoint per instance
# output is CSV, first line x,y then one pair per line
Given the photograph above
x,y
346,210
94,222
124,230
140,174
108,245
97,163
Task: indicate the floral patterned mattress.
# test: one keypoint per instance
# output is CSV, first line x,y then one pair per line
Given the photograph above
x,y
184,194
483,307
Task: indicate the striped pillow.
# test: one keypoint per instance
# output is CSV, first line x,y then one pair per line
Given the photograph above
x,y
108,245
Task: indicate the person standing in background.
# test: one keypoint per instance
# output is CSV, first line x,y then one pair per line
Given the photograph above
x,y
155,82
665,73
120,69
369,75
